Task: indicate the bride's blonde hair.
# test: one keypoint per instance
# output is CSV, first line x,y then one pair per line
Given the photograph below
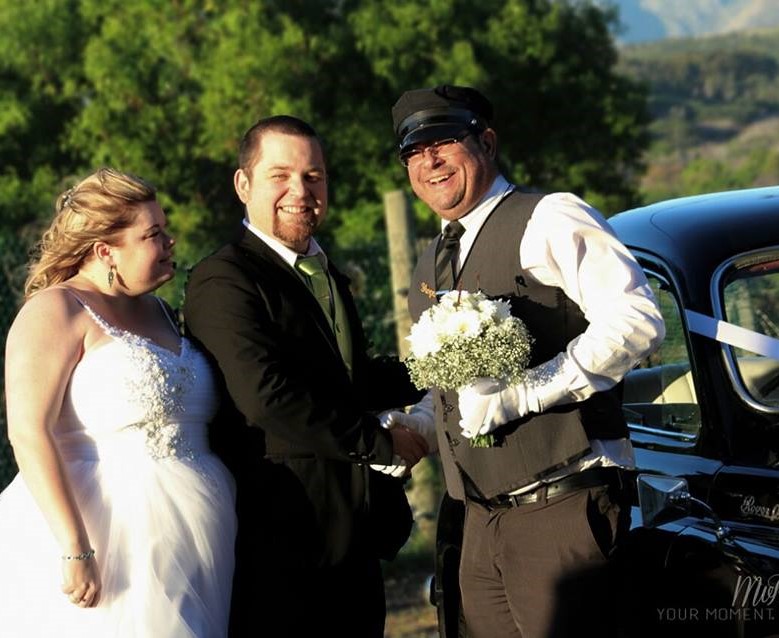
x,y
96,209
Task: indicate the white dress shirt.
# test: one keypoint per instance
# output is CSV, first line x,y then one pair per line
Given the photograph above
x,y
286,253
569,245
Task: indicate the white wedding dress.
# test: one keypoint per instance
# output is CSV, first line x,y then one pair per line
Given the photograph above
x,y
158,506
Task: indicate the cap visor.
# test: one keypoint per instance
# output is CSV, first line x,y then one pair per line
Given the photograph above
x,y
431,133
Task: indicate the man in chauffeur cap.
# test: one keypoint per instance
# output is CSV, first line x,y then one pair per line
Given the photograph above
x,y
545,504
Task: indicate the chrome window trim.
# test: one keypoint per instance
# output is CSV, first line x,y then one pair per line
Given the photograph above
x,y
651,266
718,305
679,436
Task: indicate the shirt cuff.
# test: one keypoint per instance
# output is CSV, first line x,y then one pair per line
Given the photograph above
x,y
549,384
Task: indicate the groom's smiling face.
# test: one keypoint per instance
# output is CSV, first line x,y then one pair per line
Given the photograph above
x,y
286,192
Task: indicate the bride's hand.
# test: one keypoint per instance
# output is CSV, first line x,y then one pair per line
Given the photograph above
x,y
81,581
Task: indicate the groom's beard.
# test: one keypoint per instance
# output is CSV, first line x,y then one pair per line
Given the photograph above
x,y
296,229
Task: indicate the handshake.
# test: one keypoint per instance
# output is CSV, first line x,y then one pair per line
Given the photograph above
x,y
484,405
413,437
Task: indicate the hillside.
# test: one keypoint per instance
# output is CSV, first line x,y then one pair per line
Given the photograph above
x,y
645,20
715,104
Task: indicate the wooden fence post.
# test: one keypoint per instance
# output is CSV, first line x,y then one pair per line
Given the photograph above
x,y
424,491
400,240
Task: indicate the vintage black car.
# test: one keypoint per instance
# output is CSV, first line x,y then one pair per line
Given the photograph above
x,y
703,411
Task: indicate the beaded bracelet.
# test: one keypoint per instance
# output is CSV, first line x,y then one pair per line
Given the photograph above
x,y
82,556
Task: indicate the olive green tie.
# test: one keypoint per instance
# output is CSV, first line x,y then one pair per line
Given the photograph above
x,y
318,281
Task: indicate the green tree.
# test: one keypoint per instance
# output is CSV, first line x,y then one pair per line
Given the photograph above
x,y
39,70
165,89
566,119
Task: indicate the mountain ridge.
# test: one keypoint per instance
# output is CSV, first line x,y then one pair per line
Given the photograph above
x,y
648,20
714,102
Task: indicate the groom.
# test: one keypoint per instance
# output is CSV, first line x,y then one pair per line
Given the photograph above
x,y
280,323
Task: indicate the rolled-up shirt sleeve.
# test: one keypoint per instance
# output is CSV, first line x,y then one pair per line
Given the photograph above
x,y
568,244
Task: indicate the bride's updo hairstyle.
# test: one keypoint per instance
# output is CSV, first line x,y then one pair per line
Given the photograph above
x,y
96,209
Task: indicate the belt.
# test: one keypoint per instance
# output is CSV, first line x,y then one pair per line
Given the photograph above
x,y
596,477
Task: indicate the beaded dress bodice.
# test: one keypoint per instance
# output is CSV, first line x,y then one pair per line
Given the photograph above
x,y
131,395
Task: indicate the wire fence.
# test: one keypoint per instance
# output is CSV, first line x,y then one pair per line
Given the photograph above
x,y
367,266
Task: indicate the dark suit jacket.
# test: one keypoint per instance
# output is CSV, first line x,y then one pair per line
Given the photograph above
x,y
303,435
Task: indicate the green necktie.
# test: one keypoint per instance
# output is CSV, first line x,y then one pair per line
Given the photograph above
x,y
318,281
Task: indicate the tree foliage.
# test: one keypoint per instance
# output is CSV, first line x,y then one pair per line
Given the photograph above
x,y
165,88
39,70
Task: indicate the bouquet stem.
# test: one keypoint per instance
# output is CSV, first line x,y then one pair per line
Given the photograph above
x,y
483,440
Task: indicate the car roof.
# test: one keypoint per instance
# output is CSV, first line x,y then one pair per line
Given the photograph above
x,y
694,235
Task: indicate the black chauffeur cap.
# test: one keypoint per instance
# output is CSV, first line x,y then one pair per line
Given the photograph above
x,y
427,115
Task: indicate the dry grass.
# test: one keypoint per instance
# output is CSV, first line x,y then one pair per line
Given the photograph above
x,y
409,613
412,622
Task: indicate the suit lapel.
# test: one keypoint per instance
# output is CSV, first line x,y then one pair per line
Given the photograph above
x,y
290,284
354,325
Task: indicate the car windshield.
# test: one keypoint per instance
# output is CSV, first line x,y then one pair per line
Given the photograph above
x,y
750,296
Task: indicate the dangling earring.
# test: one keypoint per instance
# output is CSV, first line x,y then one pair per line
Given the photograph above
x,y
111,277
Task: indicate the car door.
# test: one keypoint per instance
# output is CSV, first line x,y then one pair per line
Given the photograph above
x,y
703,571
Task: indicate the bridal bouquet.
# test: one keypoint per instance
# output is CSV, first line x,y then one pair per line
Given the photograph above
x,y
465,336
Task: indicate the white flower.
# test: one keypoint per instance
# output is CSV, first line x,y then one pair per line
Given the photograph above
x,y
497,310
454,300
424,338
466,323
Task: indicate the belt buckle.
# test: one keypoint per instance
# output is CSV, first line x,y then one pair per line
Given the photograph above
x,y
538,495
527,498
507,501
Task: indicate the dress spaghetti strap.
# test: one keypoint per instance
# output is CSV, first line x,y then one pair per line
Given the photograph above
x,y
116,332
73,293
166,310
104,325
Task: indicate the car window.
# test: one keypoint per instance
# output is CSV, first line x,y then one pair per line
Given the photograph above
x,y
750,296
659,394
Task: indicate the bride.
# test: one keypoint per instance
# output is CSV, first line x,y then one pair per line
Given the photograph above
x,y
121,522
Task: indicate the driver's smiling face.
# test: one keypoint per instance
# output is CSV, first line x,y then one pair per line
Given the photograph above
x,y
451,185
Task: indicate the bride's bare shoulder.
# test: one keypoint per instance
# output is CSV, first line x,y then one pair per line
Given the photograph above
x,y
54,311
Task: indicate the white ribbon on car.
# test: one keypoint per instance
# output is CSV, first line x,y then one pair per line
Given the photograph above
x,y
732,334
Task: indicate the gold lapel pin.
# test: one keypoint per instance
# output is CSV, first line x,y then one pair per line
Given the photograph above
x,y
427,290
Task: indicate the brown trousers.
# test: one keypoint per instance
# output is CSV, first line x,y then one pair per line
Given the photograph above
x,y
541,570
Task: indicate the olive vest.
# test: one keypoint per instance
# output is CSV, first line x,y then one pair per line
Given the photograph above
x,y
532,447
